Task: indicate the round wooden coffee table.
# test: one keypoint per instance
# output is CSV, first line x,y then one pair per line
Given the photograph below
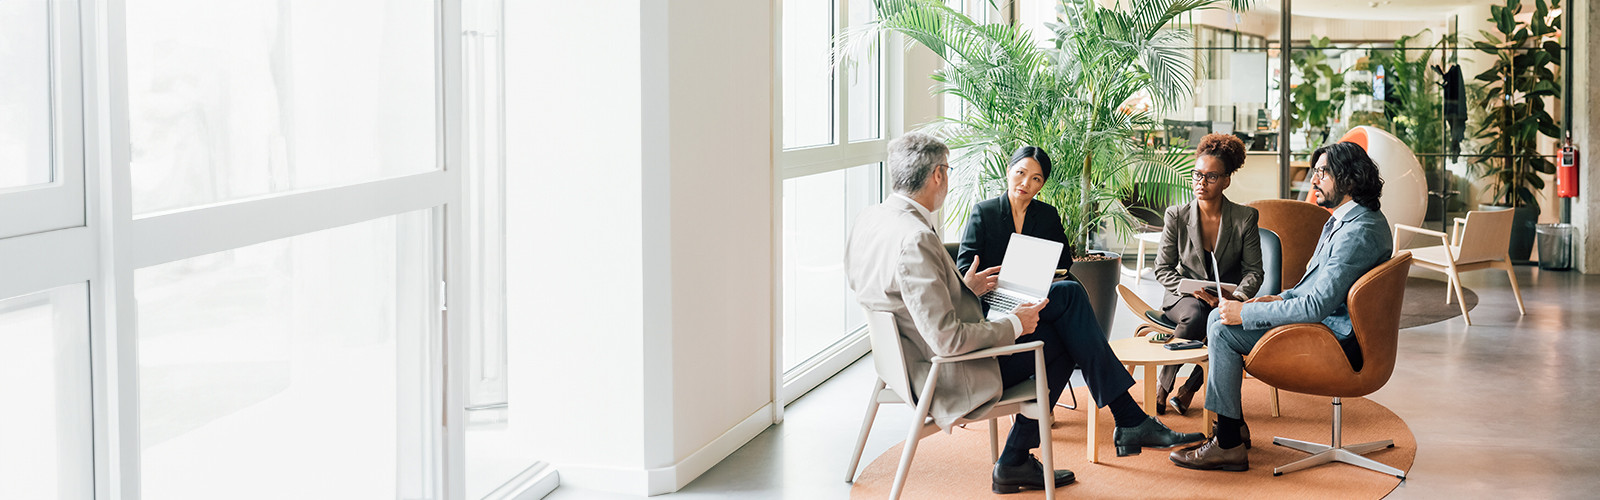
x,y
1138,351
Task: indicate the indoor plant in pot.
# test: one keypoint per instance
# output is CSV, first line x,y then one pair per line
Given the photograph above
x,y
1067,97
1522,77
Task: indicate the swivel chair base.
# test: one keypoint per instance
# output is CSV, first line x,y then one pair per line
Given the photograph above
x,y
1337,452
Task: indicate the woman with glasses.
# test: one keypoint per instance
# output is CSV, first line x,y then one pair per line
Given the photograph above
x,y
1209,227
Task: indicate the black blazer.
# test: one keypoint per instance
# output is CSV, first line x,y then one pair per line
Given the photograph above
x,y
990,226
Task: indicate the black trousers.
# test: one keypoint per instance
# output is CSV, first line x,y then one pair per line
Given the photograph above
x,y
1190,314
1072,338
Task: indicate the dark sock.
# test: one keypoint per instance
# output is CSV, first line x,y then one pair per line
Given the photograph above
x,y
1012,457
1228,431
1126,411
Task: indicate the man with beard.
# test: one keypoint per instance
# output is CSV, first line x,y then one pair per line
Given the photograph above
x,y
1355,240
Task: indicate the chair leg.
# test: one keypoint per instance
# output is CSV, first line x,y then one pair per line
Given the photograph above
x,y
1335,452
866,427
994,441
905,458
1461,299
1510,275
1275,410
1046,419
1074,396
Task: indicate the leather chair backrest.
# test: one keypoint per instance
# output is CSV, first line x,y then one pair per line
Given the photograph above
x,y
1374,303
1271,263
954,249
1298,225
1485,237
886,355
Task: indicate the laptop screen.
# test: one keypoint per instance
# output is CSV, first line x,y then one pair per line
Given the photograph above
x,y
1029,264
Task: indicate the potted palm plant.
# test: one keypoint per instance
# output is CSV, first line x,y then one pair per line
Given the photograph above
x,y
1522,76
1070,97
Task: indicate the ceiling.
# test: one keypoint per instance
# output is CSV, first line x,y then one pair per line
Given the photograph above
x,y
1385,10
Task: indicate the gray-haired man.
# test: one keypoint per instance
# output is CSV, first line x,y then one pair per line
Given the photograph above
x,y
896,262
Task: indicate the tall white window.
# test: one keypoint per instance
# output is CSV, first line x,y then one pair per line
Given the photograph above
x,y
45,450
41,117
836,119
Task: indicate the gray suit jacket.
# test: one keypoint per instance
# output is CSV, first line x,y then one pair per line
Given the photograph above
x,y
1358,242
894,262
1183,254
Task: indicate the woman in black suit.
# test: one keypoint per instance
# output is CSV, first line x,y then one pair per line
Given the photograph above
x,y
1194,232
993,220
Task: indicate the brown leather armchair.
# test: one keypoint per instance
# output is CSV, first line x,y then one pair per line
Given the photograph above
x,y
1306,358
1299,226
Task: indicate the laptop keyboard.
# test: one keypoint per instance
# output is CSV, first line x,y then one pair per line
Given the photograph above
x,y
1001,302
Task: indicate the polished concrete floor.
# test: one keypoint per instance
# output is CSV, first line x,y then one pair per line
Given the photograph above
x,y
1504,408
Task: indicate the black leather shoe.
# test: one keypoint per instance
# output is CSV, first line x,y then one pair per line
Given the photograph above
x,y
1029,475
1150,434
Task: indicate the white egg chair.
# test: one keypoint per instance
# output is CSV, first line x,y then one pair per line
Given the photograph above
x,y
1405,185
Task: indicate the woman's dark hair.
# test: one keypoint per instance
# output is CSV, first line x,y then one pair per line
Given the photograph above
x,y
1353,172
1225,147
1038,155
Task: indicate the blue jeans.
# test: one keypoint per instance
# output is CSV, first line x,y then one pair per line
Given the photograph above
x,y
1227,348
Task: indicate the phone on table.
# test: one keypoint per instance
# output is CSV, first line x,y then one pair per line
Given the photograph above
x,y
1187,344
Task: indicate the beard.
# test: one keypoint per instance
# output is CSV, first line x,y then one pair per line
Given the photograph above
x,y
1329,200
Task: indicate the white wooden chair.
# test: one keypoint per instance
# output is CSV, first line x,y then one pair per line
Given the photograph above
x,y
1481,241
1030,398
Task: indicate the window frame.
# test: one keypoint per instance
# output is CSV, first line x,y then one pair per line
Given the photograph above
x,y
789,385
57,204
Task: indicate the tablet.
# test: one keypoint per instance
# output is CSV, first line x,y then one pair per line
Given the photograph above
x,y
1188,286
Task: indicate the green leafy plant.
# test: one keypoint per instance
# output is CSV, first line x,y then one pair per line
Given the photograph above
x,y
1412,90
1307,111
1523,75
1067,97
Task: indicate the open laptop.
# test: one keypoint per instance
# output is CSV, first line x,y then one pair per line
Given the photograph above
x,y
1025,275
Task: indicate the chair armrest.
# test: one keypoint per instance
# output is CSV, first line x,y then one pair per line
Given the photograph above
x,y
1419,230
991,352
1303,358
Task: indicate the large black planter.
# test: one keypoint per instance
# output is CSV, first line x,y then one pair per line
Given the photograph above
x,y
1099,279
1523,224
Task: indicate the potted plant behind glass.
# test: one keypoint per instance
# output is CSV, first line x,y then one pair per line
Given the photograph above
x,y
1320,93
1523,75
1066,97
1412,97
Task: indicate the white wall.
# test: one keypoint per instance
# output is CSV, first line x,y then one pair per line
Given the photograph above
x,y
640,173
720,125
574,232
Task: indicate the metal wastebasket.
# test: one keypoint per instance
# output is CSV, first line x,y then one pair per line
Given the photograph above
x,y
1555,246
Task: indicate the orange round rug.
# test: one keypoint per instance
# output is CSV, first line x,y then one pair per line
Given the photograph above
x,y
957,466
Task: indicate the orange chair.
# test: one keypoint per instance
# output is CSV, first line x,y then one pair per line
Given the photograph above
x,y
1298,225
1306,358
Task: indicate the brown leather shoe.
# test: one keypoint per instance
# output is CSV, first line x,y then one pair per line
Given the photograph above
x,y
1244,433
1212,456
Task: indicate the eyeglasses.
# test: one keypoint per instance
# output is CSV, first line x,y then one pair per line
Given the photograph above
x,y
1200,178
1318,173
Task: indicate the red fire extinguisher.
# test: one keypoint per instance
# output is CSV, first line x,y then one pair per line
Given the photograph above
x,y
1567,171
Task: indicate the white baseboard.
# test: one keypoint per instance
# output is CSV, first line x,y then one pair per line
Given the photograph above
x,y
672,478
531,484
675,477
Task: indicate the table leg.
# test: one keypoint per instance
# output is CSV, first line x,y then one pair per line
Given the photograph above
x,y
1150,389
1138,266
1206,418
1093,413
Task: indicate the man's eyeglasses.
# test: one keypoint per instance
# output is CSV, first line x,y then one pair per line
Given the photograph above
x,y
1200,178
1318,173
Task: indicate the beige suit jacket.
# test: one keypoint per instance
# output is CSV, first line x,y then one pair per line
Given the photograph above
x,y
894,262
